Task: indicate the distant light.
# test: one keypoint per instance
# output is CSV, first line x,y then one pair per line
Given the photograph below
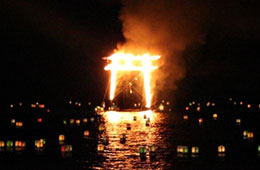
x,y
213,104
39,120
230,99
41,106
33,105
248,106
185,117
250,135
186,108
208,104
238,121
61,138
241,103
100,147
182,149
161,107
198,108
215,116
20,104
85,120
200,121
11,105
168,103
89,103
86,133
194,149
70,102
221,149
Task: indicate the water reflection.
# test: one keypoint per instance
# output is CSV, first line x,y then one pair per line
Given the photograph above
x,y
126,155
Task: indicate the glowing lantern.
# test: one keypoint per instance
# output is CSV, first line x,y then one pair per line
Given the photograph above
x,y
65,122
11,105
100,147
20,104
92,119
187,108
89,103
194,149
208,104
258,148
101,127
190,104
238,121
193,102
9,144
134,118
2,145
241,103
41,106
185,117
39,144
168,103
249,106
259,105
86,133
78,122
33,105
72,121
61,139
198,108
19,145
182,149
230,99
221,150
79,104
213,104
200,121
70,102
19,124
161,107
215,116
245,134
85,120
66,148
12,121
128,126
39,120
250,135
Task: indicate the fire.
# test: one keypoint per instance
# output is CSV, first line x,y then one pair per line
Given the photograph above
x,y
129,62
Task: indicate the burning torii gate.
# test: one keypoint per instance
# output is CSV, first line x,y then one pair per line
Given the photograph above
x,y
130,62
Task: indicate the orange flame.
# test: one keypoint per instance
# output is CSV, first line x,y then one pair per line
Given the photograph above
x,y
128,62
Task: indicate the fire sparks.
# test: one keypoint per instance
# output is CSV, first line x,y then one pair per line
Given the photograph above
x,y
129,62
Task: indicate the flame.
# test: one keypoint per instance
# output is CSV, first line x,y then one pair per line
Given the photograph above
x,y
129,62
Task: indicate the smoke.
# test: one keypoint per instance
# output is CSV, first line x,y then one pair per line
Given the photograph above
x,y
165,28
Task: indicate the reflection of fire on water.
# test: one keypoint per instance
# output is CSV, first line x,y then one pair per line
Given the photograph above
x,y
130,62
139,135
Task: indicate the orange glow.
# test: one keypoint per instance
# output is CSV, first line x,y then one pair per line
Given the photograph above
x,y
128,62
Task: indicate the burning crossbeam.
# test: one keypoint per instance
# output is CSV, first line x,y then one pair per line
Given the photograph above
x,y
130,62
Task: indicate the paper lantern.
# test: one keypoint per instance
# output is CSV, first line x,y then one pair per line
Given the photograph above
x,y
92,119
86,133
215,116
2,144
61,138
9,144
12,121
19,124
11,105
238,121
66,148
221,149
100,147
248,106
78,122
194,149
250,135
198,108
65,122
85,120
185,117
41,106
39,120
200,121
182,149
72,121
245,134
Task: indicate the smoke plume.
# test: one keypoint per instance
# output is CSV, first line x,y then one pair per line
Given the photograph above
x,y
166,28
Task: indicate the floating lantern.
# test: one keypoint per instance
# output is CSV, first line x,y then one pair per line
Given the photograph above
x,y
100,147
78,122
39,144
193,102
61,139
66,148
213,104
245,134
9,145
65,122
48,110
185,117
198,108
208,104
86,133
72,121
70,102
20,104
92,119
2,145
85,120
238,121
187,108
11,105
37,103
248,106
190,104
194,149
128,126
230,99
41,106
221,150
39,120
134,118
235,103
19,145
259,105
250,135
89,103
12,121
19,124
144,116
101,127
79,104
33,105
200,121
241,103
258,149
215,116
182,149
135,105
168,103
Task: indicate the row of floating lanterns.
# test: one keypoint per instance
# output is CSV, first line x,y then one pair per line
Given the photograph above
x,y
78,121
9,144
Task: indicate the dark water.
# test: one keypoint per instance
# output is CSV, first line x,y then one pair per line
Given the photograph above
x,y
165,131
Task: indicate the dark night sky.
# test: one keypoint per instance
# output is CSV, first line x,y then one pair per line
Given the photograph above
x,y
53,49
